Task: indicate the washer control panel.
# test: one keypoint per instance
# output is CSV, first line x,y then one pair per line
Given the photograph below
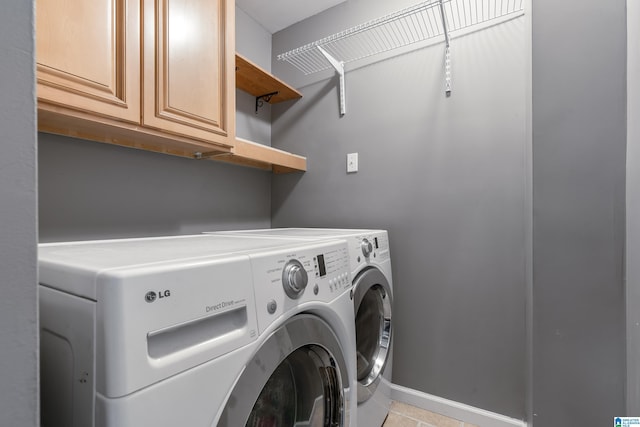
x,y
312,272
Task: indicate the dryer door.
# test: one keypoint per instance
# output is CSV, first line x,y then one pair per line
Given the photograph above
x,y
372,305
298,377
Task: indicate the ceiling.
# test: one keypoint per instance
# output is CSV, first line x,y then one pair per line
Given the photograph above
x,y
275,15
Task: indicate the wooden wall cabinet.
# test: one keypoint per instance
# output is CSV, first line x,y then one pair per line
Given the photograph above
x,y
88,56
157,75
150,74
189,62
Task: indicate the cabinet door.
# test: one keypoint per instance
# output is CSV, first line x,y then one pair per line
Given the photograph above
x,y
189,71
88,56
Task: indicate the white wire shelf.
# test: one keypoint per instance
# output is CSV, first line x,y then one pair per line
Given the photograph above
x,y
405,27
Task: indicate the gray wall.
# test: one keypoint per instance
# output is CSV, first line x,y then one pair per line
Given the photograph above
x,y
90,190
579,136
445,176
633,207
252,42
18,234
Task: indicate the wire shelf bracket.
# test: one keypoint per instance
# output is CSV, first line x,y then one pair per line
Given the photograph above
x,y
423,21
447,52
339,66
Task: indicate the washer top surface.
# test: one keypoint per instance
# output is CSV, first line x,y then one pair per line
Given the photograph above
x,y
103,254
74,266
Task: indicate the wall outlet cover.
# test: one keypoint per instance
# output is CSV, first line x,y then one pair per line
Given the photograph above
x,y
352,162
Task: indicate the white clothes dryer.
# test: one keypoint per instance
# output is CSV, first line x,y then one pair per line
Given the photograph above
x,y
370,265
196,331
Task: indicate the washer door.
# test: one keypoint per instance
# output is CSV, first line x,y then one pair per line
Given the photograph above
x,y
298,377
372,305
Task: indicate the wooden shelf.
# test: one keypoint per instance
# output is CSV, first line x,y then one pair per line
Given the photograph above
x,y
255,81
261,156
258,82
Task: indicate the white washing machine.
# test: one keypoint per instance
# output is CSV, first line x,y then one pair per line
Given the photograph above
x,y
370,265
196,331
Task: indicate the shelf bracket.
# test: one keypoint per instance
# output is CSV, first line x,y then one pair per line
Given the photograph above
x,y
447,51
339,66
260,100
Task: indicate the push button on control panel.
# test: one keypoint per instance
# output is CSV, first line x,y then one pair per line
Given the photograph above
x,y
272,306
339,282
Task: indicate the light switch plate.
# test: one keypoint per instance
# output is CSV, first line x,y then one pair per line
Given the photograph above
x,y
352,162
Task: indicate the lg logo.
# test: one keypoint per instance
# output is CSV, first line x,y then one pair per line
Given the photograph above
x,y
151,296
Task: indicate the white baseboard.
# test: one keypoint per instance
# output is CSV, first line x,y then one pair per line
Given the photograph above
x,y
449,408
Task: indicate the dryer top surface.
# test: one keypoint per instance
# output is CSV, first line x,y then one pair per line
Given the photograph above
x,y
306,233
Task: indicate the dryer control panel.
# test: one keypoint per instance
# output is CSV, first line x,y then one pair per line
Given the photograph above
x,y
288,280
370,248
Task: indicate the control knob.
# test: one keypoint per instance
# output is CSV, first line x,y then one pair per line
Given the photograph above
x,y
294,279
367,247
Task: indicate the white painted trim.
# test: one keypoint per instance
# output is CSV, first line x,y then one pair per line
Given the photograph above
x,y
633,208
528,208
449,408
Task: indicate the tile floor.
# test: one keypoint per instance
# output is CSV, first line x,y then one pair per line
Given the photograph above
x,y
403,415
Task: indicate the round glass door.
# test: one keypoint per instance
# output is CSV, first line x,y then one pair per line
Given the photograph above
x,y
372,303
300,392
298,378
